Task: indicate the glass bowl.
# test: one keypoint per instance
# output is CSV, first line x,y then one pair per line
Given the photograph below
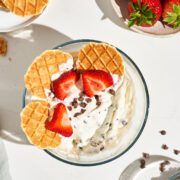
x,y
138,120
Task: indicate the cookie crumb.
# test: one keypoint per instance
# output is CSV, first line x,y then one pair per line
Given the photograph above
x,y
145,155
3,46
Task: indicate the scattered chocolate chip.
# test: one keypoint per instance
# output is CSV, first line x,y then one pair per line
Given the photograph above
x,y
176,152
166,162
77,114
110,125
112,92
88,100
69,108
98,103
165,147
102,148
80,98
162,168
83,111
83,104
142,163
70,119
162,132
145,155
75,99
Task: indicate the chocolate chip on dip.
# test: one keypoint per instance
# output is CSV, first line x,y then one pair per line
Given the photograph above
x,y
165,147
162,132
112,92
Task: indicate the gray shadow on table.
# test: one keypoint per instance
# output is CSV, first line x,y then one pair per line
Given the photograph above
x,y
23,47
109,12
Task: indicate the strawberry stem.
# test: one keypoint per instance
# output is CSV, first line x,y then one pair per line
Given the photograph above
x,y
173,18
141,15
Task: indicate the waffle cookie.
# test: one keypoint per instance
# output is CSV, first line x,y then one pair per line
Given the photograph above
x,y
2,5
26,7
38,75
3,46
100,56
33,118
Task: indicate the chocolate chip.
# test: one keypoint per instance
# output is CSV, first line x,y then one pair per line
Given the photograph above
x,y
75,99
88,100
83,111
80,98
81,148
142,163
70,119
165,147
102,148
112,92
77,114
146,155
176,152
74,104
98,103
83,104
162,132
162,168
124,123
166,162
97,97
69,108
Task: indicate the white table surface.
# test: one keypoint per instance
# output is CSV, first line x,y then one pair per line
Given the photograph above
x,y
63,20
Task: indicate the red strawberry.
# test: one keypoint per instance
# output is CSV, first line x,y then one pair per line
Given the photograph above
x,y
171,13
144,12
60,122
64,83
95,81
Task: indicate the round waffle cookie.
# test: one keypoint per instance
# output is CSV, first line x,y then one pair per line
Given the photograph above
x,y
25,7
38,75
100,56
33,118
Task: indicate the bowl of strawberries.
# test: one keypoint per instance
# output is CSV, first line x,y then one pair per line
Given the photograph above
x,y
155,17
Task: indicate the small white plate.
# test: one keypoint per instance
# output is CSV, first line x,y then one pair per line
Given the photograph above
x,y
151,171
11,22
120,7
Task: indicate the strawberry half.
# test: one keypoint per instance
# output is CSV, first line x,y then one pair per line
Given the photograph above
x,y
60,122
64,83
95,81
144,12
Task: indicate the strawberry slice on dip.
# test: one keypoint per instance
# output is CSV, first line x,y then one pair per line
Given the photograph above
x,y
60,122
95,81
64,83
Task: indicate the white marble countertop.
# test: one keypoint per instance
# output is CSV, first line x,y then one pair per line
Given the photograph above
x,y
63,20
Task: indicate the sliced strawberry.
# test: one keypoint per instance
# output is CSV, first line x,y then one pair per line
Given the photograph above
x,y
60,122
95,81
64,83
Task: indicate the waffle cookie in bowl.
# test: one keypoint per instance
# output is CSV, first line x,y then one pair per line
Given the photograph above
x,y
91,101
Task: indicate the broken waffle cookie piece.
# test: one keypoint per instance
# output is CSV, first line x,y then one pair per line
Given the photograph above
x,y
3,46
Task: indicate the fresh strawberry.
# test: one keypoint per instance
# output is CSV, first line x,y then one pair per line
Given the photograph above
x,y
95,81
171,13
144,12
60,122
64,83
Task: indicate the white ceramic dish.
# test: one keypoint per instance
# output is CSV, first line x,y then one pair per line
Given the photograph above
x,y
120,7
134,130
11,22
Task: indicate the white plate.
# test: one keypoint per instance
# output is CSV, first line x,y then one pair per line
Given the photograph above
x,y
151,172
10,22
120,7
